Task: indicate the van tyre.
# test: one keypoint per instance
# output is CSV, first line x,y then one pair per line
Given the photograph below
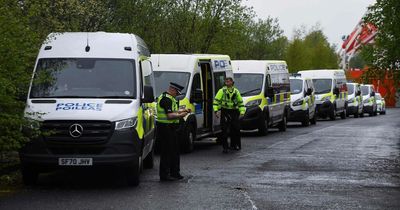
x,y
306,121
332,114
189,138
313,120
29,176
133,173
283,124
356,114
263,129
343,114
148,162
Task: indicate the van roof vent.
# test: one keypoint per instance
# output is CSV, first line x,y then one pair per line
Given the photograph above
x,y
47,48
128,48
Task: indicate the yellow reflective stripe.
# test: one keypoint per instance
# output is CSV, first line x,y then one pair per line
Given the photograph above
x,y
139,124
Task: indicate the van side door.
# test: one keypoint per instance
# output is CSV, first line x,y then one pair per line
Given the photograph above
x,y
198,106
148,109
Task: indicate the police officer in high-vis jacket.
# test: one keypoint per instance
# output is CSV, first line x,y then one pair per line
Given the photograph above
x,y
228,105
168,116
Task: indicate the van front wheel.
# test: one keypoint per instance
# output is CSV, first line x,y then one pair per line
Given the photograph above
x,y
133,173
283,123
263,129
332,114
189,138
306,121
343,114
314,119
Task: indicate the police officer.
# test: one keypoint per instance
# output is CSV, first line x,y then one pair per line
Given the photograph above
x,y
168,117
228,105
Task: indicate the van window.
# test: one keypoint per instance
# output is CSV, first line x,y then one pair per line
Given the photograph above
x,y
350,88
296,86
196,82
163,78
306,85
322,85
249,84
364,90
84,78
147,72
219,80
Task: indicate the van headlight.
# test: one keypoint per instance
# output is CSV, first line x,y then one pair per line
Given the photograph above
x,y
366,101
350,101
298,102
253,103
127,123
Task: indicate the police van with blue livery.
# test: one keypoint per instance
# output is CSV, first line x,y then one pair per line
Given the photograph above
x,y
91,94
265,89
202,76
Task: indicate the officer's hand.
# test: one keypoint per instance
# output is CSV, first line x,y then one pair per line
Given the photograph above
x,y
181,111
217,114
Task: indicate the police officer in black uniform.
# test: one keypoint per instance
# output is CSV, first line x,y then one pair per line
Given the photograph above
x,y
168,115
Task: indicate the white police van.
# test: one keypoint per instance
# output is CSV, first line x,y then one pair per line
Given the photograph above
x,y
265,89
91,93
202,76
369,100
354,103
330,91
302,100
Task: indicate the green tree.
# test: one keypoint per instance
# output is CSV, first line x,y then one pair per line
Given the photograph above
x,y
311,50
385,53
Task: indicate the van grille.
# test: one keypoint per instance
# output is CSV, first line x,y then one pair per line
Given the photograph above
x,y
94,132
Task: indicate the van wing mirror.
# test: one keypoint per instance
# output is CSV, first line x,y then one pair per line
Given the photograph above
x,y
269,92
372,94
148,94
309,92
196,96
358,93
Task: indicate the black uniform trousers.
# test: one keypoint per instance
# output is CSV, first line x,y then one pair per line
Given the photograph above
x,y
230,123
169,147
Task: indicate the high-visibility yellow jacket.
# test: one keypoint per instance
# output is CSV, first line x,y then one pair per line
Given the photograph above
x,y
228,98
161,114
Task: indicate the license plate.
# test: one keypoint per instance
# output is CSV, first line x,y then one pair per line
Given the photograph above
x,y
75,161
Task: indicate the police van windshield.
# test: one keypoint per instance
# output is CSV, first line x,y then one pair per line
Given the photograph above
x,y
322,85
296,86
248,84
84,78
364,90
350,89
163,78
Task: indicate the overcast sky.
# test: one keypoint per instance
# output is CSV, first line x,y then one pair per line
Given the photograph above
x,y
336,17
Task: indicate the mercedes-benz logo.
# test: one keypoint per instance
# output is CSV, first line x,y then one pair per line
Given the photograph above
x,y
75,130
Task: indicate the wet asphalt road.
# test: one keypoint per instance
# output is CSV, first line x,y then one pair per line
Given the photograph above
x,y
345,164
